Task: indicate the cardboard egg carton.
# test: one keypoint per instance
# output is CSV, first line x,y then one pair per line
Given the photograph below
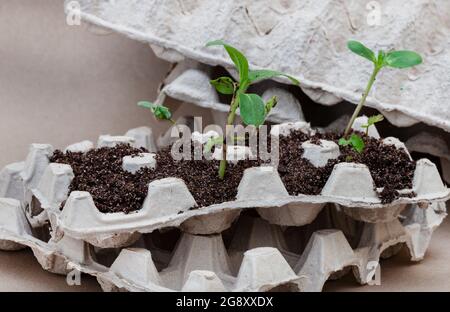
x,y
254,255
11,184
436,145
66,239
286,29
16,233
170,204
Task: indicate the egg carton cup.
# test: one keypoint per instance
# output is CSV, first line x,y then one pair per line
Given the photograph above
x,y
17,234
11,183
170,204
258,257
436,145
202,263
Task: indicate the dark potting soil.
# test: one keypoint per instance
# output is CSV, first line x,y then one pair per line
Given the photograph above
x,y
100,172
390,167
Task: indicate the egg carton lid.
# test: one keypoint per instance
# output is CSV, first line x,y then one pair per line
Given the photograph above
x,y
277,35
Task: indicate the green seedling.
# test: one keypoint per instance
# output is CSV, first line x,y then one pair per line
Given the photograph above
x,y
394,59
371,121
252,108
355,141
160,112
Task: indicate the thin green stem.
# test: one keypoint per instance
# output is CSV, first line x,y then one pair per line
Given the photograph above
x,y
223,165
363,100
230,120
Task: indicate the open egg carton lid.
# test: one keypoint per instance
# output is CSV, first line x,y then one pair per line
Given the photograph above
x,y
170,204
258,257
288,37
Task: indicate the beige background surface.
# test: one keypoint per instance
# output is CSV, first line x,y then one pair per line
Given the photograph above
x,y
61,84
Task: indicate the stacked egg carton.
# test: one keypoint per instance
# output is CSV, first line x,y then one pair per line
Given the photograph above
x,y
264,240
436,145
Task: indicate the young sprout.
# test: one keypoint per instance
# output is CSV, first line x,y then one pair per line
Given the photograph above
x,y
252,108
371,121
159,111
355,141
395,59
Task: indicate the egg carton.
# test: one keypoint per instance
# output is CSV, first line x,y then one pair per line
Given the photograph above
x,y
16,234
288,36
196,264
252,256
170,204
436,145
40,188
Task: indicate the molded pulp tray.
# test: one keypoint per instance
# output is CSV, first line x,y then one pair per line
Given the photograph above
x,y
214,251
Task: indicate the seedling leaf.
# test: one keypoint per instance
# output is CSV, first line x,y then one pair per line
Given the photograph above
x,y
252,109
258,75
360,49
161,112
373,120
343,142
402,59
236,56
224,85
355,141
